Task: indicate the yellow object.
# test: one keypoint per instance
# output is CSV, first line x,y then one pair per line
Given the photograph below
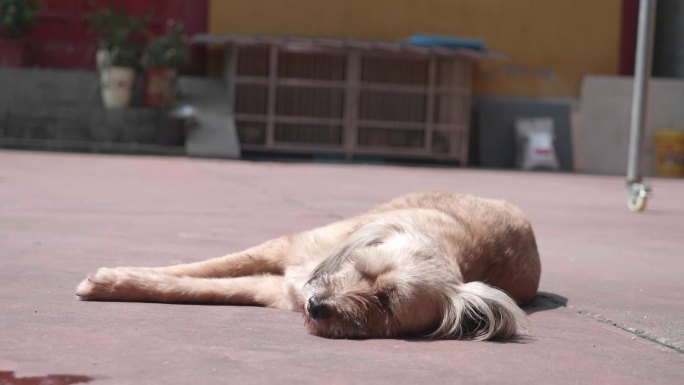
x,y
552,44
669,150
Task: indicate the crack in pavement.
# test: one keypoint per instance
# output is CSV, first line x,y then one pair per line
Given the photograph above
x,y
639,333
600,318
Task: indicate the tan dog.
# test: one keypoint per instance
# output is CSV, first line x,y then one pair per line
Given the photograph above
x,y
420,265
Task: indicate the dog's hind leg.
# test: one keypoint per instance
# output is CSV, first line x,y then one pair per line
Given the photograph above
x,y
138,285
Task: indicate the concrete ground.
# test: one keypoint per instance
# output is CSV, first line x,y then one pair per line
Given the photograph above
x,y
610,311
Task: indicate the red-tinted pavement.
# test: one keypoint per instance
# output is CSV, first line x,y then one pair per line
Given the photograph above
x,y
611,309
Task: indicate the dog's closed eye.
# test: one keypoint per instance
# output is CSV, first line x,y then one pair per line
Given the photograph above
x,y
372,268
384,300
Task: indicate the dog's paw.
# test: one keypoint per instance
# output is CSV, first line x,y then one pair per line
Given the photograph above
x,y
102,285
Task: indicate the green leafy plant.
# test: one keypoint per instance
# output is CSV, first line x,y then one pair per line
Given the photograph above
x,y
167,50
122,56
119,33
17,17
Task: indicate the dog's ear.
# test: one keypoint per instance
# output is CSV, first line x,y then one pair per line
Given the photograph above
x,y
370,234
478,311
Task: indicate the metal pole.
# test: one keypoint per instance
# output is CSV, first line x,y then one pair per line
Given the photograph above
x,y
642,72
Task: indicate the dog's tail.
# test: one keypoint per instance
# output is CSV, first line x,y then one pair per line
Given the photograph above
x,y
478,311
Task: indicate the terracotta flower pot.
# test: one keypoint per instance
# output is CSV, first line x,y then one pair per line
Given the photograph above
x,y
160,86
117,86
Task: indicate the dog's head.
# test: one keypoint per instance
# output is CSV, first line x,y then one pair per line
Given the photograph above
x,y
388,282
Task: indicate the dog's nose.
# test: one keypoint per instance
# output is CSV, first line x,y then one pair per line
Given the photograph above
x,y
317,309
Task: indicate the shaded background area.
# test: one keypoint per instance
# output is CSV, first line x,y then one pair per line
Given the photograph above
x,y
549,71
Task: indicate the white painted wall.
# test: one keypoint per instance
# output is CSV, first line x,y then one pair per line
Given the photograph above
x,y
601,130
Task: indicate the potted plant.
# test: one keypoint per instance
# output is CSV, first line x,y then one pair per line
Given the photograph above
x,y
117,54
161,60
17,18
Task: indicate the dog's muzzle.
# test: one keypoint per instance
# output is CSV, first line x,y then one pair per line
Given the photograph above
x,y
317,309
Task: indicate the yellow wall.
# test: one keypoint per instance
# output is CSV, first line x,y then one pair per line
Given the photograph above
x,y
552,43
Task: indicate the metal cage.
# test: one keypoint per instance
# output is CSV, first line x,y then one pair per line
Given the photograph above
x,y
350,97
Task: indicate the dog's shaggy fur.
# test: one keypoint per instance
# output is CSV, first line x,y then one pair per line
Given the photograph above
x,y
438,265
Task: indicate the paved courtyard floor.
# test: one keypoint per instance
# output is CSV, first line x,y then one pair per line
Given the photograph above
x,y
610,310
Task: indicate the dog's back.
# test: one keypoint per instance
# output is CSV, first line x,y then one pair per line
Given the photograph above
x,y
493,241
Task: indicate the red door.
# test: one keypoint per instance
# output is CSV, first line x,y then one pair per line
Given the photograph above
x,y
61,39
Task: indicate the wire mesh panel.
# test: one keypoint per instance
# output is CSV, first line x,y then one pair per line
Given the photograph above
x,y
310,66
251,99
309,101
446,142
450,109
453,73
253,61
308,134
391,106
383,138
394,70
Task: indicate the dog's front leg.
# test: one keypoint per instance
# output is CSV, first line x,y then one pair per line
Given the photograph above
x,y
268,258
142,285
